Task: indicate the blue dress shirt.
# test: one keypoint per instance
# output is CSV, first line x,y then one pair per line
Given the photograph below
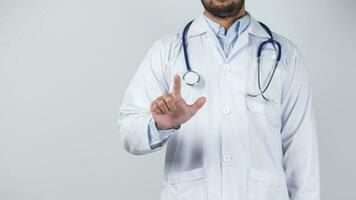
x,y
227,38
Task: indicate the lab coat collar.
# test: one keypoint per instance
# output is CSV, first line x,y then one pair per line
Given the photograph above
x,y
256,29
201,26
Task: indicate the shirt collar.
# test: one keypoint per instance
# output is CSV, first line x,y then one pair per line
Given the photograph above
x,y
237,27
201,26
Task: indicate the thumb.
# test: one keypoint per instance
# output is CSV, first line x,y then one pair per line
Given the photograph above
x,y
199,103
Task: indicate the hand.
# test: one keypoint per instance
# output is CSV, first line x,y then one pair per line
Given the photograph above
x,y
170,109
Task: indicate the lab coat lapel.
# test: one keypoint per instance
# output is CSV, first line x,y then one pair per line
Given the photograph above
x,y
241,42
200,26
254,29
216,43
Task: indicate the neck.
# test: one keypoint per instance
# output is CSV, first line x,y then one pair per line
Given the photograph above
x,y
228,21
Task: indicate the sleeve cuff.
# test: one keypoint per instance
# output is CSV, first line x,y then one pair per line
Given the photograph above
x,y
157,138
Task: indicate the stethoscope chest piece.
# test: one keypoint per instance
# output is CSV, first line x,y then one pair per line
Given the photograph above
x,y
191,78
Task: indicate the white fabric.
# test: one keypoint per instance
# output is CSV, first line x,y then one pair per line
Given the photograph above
x,y
236,147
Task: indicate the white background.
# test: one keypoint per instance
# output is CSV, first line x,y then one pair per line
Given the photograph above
x,y
65,64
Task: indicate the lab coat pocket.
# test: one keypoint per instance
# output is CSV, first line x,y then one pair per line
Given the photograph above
x,y
268,111
184,185
264,185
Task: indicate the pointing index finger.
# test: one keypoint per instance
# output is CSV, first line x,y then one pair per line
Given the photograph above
x,y
176,86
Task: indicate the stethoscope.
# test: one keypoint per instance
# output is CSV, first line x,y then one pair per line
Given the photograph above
x,y
192,78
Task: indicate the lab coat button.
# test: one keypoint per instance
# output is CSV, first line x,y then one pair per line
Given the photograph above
x,y
226,110
226,67
226,158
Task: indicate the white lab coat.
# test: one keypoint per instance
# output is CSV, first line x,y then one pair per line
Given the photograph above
x,y
236,147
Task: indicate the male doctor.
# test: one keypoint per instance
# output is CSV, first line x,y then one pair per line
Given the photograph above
x,y
223,144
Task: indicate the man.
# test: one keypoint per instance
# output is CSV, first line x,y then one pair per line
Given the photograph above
x,y
222,142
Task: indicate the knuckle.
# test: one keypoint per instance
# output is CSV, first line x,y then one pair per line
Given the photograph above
x,y
156,102
169,100
163,96
153,105
160,103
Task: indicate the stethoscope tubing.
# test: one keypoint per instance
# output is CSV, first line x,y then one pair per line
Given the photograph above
x,y
271,40
184,43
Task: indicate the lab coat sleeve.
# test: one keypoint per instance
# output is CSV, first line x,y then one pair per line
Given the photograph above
x,y
299,136
148,83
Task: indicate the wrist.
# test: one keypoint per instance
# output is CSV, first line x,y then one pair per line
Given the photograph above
x,y
159,127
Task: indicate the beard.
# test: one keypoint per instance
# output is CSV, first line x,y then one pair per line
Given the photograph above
x,y
223,8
